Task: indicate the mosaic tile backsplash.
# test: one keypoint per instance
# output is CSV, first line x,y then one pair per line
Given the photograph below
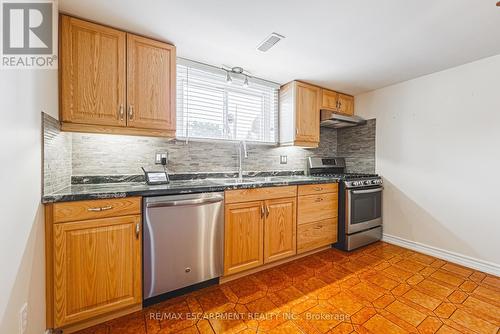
x,y
80,154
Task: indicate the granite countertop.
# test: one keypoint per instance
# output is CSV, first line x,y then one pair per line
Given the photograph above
x,y
78,192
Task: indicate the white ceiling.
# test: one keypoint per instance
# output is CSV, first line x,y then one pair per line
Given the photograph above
x,y
349,45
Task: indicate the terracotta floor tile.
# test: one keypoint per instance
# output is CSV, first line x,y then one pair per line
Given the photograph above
x,y
365,291
347,303
468,286
397,273
493,281
382,280
212,300
286,328
457,297
487,293
445,310
323,317
447,277
381,288
430,325
456,269
422,258
383,301
447,330
379,324
473,322
477,276
435,288
409,265
422,299
363,315
407,313
480,306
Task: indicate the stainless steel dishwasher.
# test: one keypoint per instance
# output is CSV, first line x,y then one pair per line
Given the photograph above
x,y
183,241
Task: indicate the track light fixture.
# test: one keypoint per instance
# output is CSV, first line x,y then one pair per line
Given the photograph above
x,y
238,71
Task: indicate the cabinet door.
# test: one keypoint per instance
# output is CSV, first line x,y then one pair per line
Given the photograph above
x,y
346,104
329,99
92,73
97,267
307,113
243,236
150,84
280,229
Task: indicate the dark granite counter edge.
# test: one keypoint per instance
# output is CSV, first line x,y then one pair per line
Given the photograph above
x,y
158,191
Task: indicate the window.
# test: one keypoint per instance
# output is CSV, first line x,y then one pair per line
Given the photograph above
x,y
210,108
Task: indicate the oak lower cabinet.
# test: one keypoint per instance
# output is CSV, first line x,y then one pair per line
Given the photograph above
x,y
243,236
280,227
94,262
317,216
260,227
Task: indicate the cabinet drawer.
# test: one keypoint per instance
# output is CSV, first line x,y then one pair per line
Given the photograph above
x,y
259,194
102,208
311,189
318,234
312,208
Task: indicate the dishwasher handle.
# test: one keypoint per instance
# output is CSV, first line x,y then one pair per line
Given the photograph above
x,y
186,202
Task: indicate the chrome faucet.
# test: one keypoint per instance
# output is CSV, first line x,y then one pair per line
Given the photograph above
x,y
242,151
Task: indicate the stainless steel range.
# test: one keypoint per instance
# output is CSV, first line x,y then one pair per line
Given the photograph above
x,y
360,202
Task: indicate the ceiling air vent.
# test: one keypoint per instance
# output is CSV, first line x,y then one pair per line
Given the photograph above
x,y
269,42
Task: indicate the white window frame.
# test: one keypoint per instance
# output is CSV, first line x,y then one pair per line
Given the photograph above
x,y
236,87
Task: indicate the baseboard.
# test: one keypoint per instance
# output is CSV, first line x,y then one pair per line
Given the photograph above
x,y
466,261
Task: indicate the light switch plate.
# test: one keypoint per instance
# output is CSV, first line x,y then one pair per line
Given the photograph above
x,y
283,159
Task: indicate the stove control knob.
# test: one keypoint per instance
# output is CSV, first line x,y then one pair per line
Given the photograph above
x,y
367,182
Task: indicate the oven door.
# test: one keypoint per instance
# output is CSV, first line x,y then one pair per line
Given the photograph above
x,y
363,209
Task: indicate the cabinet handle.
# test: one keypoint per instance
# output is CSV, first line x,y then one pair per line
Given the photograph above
x,y
319,227
319,199
137,230
130,112
262,211
121,112
267,210
340,104
104,208
318,188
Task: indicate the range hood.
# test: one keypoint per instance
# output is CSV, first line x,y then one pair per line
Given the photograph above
x,y
330,119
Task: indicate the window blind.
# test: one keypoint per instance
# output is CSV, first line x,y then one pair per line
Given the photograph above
x,y
210,108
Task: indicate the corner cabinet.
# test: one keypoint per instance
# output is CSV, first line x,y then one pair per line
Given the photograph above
x,y
115,82
94,265
299,114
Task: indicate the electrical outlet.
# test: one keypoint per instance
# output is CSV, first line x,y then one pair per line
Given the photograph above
x,y
283,159
23,318
159,156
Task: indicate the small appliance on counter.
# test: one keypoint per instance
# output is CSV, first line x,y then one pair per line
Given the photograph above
x,y
156,177
360,202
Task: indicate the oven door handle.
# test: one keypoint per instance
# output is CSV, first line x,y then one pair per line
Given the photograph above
x,y
368,191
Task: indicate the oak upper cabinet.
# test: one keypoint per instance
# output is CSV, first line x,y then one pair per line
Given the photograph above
x,y
280,229
337,102
94,265
243,236
115,82
92,73
150,84
299,114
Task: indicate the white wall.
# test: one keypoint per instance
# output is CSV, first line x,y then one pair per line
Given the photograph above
x,y
438,149
23,95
